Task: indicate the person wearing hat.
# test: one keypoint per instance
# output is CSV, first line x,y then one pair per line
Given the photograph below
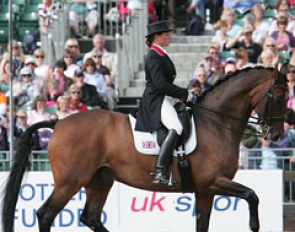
x,y
25,91
89,94
156,107
244,40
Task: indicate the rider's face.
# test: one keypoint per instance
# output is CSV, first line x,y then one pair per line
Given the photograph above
x,y
163,39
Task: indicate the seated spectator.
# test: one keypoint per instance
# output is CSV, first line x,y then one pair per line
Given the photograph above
x,y
284,39
283,11
84,11
57,75
21,125
76,105
41,68
73,45
242,6
221,37
265,157
112,95
89,95
245,41
18,58
197,7
109,59
267,58
5,78
242,59
92,77
25,91
48,13
69,59
63,104
270,45
201,75
291,84
229,16
37,114
195,87
260,26
230,65
52,94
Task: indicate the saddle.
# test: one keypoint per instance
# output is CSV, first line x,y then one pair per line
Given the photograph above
x,y
149,143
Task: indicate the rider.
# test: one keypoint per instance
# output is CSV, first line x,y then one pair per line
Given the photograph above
x,y
156,106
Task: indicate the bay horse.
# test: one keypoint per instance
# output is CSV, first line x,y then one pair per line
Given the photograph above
x,y
95,148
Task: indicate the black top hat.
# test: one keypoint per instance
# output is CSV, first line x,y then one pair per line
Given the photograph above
x,y
157,27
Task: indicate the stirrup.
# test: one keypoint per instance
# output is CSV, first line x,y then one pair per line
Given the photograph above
x,y
161,177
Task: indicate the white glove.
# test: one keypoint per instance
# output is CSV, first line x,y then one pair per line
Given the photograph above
x,y
190,96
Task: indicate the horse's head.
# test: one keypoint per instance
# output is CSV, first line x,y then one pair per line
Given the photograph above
x,y
272,107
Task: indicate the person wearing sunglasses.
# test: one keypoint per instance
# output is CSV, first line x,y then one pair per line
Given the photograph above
x,y
76,105
41,68
270,45
73,45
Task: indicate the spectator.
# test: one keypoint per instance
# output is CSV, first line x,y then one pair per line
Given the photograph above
x,y
215,7
52,94
5,77
3,104
260,26
112,95
245,41
37,114
201,75
89,95
21,125
267,58
108,59
242,6
221,37
284,39
48,13
270,45
291,84
195,87
84,11
229,16
230,65
18,58
94,78
198,7
41,68
76,105
63,104
283,11
30,63
242,59
73,45
25,91
57,75
69,59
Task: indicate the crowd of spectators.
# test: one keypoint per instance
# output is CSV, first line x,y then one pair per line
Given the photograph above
x,y
250,41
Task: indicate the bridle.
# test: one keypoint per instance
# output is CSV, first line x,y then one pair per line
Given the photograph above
x,y
265,121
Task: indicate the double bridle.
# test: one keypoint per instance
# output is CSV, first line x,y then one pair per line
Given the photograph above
x,y
265,121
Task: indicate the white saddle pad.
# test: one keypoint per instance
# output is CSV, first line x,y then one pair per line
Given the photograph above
x,y
146,142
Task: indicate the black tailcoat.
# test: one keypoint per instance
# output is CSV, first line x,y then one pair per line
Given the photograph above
x,y
160,73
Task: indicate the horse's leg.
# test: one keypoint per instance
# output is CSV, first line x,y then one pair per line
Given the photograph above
x,y
224,186
204,207
96,195
53,205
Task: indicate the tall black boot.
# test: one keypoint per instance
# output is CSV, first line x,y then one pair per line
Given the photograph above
x,y
161,175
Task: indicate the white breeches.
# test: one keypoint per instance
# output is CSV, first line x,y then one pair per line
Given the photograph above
x,y
169,116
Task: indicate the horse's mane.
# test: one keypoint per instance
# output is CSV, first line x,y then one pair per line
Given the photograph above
x,y
229,77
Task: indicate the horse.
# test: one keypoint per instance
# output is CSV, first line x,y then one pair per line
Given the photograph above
x,y
95,148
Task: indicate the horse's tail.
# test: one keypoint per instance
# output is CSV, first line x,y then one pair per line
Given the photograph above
x,y
20,163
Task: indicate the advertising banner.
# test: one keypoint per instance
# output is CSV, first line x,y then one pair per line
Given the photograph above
x,y
129,209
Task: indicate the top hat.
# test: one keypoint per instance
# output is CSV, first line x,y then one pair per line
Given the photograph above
x,y
158,27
